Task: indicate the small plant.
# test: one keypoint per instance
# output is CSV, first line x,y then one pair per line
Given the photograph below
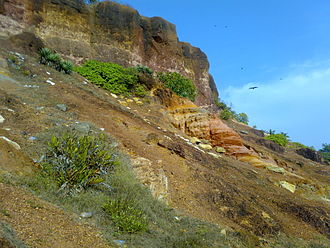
x,y
66,66
181,85
242,117
54,60
325,151
44,55
279,138
126,217
140,90
271,131
226,114
76,162
47,57
145,70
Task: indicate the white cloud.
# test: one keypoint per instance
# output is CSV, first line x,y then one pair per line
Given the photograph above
x,y
298,104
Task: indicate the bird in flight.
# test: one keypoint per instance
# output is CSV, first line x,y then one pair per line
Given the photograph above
x,y
252,88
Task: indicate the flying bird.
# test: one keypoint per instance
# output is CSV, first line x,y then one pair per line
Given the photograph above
x,y
252,88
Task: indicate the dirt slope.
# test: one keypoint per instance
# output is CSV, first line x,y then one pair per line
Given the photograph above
x,y
221,190
41,224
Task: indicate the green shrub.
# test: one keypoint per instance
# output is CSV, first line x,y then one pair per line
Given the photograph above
x,y
181,85
145,70
112,77
140,90
66,66
47,57
127,217
325,151
76,162
44,55
226,114
279,138
54,60
297,145
242,117
221,105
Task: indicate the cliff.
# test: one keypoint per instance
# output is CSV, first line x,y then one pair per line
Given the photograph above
x,y
258,193
110,32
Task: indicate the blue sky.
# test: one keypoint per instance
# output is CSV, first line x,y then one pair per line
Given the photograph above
x,y
282,46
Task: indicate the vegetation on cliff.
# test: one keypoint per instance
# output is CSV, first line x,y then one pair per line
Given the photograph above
x,y
279,138
325,151
77,162
52,59
113,77
227,113
126,81
181,85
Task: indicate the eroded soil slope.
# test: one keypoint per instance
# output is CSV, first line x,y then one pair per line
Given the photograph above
x,y
218,189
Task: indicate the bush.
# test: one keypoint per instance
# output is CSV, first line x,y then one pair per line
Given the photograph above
x,y
47,57
279,138
181,85
66,66
325,151
297,145
145,70
54,60
76,162
112,77
242,117
226,114
140,90
125,216
44,53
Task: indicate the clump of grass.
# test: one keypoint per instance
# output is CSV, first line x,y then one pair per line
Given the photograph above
x,y
127,217
48,57
76,162
8,237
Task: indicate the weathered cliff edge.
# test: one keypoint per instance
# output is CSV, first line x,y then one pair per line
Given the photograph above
x,y
112,32
109,32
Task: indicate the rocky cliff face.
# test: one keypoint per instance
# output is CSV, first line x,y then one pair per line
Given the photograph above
x,y
196,122
110,32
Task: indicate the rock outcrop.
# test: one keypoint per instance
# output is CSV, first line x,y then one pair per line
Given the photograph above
x,y
310,154
109,32
197,122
